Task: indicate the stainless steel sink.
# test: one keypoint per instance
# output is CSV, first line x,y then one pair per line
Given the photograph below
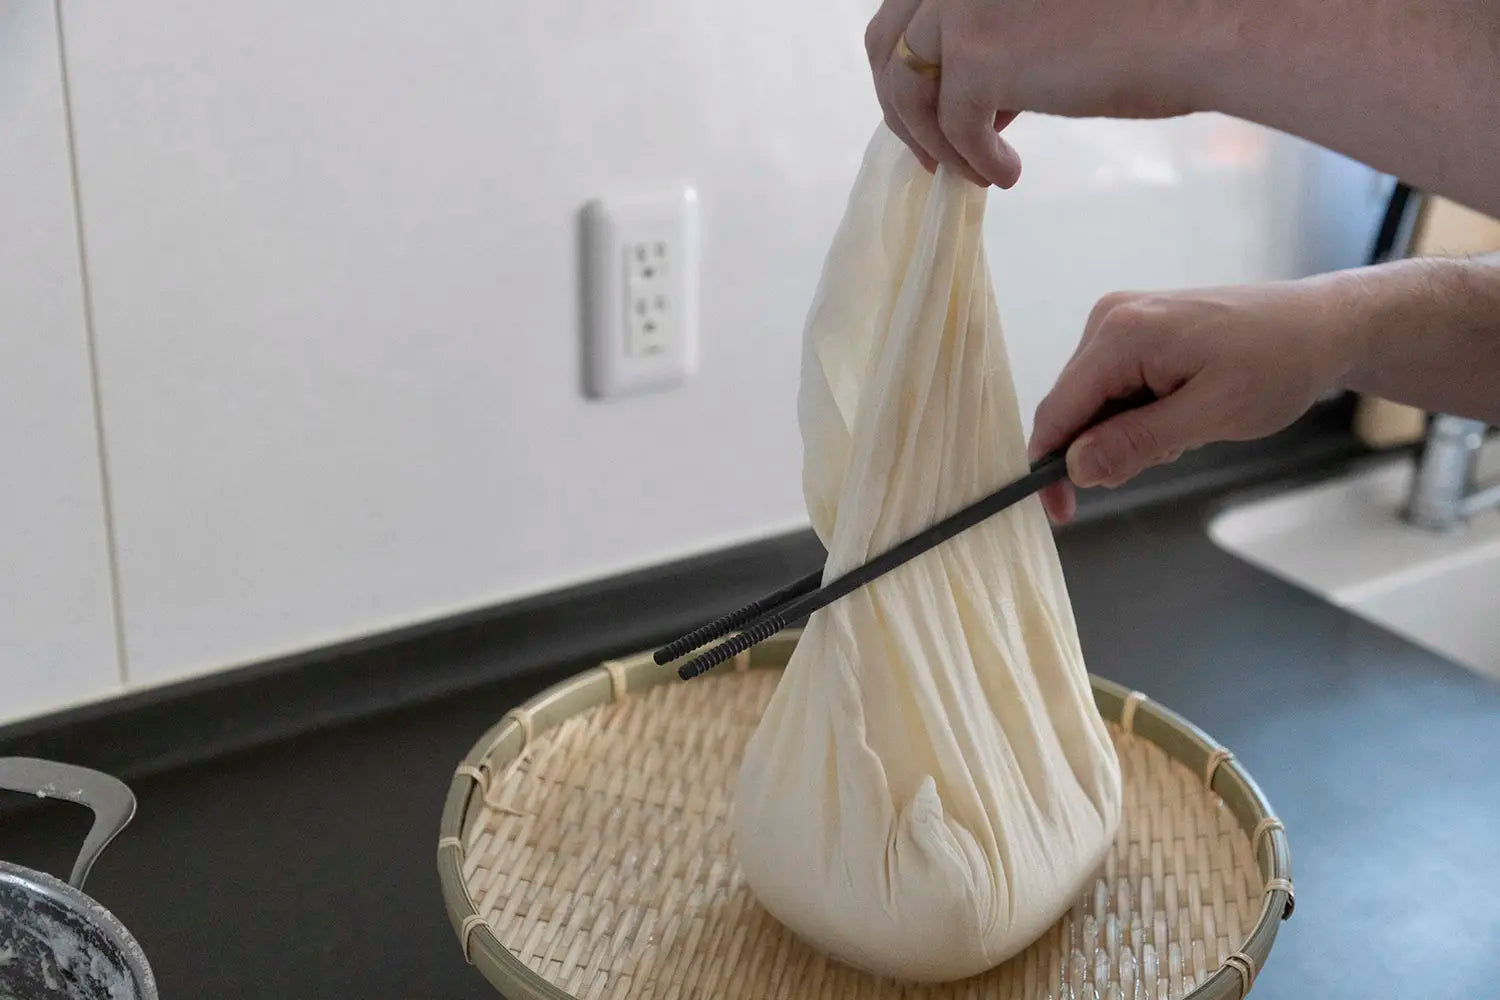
x,y
1345,540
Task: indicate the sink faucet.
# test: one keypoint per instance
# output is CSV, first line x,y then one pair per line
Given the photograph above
x,y
1443,492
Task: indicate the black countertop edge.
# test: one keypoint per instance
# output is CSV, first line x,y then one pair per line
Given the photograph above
x,y
199,719
206,717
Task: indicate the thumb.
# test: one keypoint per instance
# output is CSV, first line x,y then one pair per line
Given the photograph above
x,y
1126,445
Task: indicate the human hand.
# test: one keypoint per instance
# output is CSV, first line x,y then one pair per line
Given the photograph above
x,y
1226,364
1129,59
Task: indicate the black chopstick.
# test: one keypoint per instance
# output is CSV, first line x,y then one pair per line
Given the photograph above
x,y
768,615
763,618
724,624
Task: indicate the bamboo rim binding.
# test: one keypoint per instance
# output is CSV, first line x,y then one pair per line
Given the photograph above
x,y
485,783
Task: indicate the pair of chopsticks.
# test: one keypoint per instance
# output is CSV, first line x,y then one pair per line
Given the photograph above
x,y
763,618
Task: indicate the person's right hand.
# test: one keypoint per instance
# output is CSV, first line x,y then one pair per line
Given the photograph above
x,y
1226,364
1126,59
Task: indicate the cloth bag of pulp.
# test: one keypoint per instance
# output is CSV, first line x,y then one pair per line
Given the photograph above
x,y
931,785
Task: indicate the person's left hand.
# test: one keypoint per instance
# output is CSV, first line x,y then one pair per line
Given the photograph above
x,y
913,111
993,58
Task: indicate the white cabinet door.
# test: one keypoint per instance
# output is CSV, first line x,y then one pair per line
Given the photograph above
x,y
333,254
57,641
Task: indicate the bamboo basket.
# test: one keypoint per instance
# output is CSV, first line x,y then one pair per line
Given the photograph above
x,y
585,853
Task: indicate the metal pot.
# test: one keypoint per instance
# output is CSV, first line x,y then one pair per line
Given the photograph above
x,y
56,943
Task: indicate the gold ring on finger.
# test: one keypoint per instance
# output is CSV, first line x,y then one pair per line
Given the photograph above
x,y
914,62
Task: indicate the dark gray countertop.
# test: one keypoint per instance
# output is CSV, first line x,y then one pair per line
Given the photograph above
x,y
306,868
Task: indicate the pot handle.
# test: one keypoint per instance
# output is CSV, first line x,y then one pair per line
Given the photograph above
x,y
110,799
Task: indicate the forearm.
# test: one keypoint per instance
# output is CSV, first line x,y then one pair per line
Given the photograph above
x,y
1407,86
1425,332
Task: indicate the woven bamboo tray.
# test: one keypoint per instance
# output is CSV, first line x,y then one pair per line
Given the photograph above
x,y
585,853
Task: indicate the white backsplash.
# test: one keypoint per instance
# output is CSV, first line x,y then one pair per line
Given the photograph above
x,y
57,639
333,252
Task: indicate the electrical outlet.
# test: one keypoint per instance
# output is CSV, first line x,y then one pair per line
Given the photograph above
x,y
651,319
641,292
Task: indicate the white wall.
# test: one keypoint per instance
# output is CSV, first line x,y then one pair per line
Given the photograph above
x,y
56,631
333,255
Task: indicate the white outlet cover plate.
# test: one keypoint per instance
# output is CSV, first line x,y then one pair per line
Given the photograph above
x,y
611,227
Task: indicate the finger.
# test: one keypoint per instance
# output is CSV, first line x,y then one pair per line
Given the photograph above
x,y
915,97
1097,374
880,42
1059,501
898,127
884,28
1091,327
1057,419
1124,446
967,119
1106,305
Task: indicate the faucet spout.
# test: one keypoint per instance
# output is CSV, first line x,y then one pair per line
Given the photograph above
x,y
1443,493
